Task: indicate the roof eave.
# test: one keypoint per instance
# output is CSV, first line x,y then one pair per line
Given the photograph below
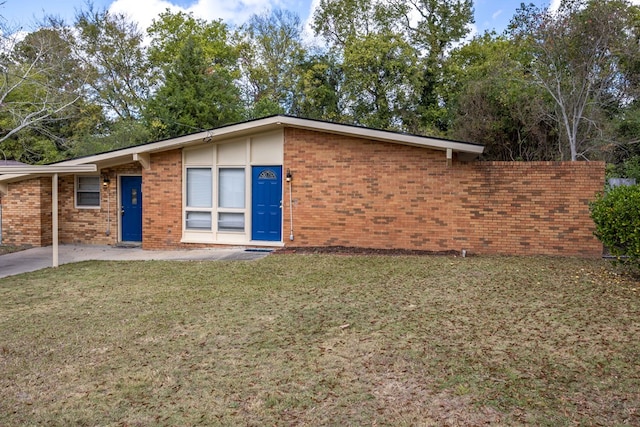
x,y
278,122
382,135
127,155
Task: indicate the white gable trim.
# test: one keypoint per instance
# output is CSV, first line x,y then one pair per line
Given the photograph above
x,y
140,153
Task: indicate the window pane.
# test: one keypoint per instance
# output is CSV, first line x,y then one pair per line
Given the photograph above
x,y
88,183
88,191
231,183
88,199
230,221
199,188
199,220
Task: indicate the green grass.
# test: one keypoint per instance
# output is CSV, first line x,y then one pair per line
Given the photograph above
x,y
321,340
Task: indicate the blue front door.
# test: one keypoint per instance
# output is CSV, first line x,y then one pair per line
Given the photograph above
x,y
266,206
131,208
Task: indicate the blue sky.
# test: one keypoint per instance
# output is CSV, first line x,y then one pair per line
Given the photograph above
x,y
489,14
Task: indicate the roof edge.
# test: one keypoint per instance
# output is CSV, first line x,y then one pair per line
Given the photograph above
x,y
271,123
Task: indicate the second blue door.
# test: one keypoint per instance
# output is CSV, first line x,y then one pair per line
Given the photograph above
x,y
131,208
266,206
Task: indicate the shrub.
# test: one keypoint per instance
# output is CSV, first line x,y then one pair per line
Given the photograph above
x,y
617,217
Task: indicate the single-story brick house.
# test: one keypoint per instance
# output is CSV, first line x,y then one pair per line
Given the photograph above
x,y
283,181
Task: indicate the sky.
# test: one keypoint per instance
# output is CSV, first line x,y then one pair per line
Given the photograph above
x,y
24,14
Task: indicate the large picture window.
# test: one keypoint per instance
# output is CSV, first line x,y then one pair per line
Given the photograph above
x,y
231,199
231,188
199,198
88,191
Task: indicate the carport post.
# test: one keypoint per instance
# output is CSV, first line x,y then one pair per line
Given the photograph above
x,y
54,216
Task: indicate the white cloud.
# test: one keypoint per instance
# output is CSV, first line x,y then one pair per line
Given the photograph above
x,y
555,4
232,12
496,14
142,11
307,31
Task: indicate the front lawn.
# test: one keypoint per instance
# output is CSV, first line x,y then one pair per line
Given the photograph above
x,y
322,340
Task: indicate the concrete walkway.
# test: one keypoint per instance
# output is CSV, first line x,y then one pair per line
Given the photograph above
x,y
39,258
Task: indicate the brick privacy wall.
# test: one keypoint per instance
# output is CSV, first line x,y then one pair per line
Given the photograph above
x,y
162,202
531,208
88,225
359,193
26,213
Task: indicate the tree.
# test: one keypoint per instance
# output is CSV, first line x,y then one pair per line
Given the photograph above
x,y
433,27
577,55
272,51
391,54
318,94
379,74
198,67
41,83
377,63
111,47
171,31
193,97
490,101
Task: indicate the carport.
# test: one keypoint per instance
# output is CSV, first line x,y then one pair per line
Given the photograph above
x,y
46,170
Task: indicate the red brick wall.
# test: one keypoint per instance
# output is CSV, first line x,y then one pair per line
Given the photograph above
x,y
26,213
532,208
89,226
27,208
162,201
353,192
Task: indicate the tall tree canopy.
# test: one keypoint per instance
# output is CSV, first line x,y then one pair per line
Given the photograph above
x,y
111,46
392,54
272,51
577,56
198,69
41,82
490,100
557,85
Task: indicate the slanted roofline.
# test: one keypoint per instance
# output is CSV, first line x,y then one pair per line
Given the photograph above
x,y
126,155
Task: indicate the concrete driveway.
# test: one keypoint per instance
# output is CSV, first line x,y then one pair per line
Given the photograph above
x,y
39,258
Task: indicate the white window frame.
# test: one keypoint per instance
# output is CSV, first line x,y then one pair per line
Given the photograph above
x,y
78,190
236,210
199,209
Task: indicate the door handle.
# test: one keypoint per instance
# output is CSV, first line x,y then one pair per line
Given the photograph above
x,y
122,212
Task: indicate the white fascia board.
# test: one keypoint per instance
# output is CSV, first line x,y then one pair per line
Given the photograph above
x,y
269,123
276,122
382,135
15,173
47,169
128,154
